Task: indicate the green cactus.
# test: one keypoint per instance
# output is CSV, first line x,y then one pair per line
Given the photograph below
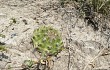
x,y
47,40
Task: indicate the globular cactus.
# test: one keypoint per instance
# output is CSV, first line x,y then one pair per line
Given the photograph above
x,y
47,41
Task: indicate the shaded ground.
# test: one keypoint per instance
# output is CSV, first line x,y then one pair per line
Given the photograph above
x,y
88,49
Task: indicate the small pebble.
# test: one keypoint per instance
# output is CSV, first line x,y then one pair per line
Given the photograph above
x,y
25,21
13,35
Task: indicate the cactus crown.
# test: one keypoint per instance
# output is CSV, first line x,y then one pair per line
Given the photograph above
x,y
47,41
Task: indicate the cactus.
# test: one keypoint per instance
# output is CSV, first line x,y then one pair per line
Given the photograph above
x,y
47,41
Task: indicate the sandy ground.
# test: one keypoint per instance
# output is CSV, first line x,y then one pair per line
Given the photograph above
x,y
85,46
